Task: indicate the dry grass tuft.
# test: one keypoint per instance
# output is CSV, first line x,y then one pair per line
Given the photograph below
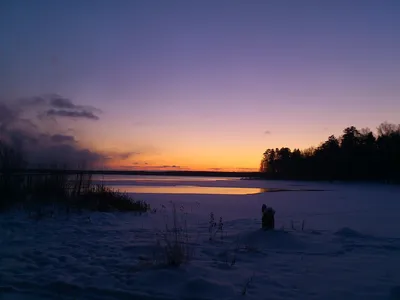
x,y
174,240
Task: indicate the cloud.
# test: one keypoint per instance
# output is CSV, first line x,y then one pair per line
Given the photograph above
x,y
170,167
7,115
22,128
138,163
61,138
267,132
148,167
54,105
57,101
159,167
69,155
72,114
60,102
121,155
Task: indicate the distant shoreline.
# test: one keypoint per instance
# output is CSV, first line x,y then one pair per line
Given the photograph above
x,y
142,173
241,175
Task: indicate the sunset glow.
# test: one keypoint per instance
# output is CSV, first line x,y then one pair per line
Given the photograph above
x,y
182,86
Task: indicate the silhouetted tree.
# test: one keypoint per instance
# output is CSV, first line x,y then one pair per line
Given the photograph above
x,y
356,155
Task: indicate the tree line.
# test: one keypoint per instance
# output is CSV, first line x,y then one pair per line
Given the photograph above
x,y
355,155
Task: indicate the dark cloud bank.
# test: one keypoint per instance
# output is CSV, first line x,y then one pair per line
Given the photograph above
x,y
41,148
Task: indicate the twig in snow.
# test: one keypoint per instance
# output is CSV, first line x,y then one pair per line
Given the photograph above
x,y
246,286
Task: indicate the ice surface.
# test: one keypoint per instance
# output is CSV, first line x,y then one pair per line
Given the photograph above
x,y
349,248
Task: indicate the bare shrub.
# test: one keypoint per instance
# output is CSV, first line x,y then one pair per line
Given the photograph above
x,y
214,228
174,240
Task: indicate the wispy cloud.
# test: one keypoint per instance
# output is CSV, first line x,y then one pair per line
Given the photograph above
x,y
267,132
114,155
170,167
146,166
60,102
61,138
72,114
54,105
149,167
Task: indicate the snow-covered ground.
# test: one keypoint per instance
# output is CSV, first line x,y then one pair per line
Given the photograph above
x,y
349,248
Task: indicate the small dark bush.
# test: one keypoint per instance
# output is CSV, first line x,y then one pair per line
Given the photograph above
x,y
101,198
34,192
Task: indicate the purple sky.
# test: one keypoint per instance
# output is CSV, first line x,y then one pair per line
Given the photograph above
x,y
206,84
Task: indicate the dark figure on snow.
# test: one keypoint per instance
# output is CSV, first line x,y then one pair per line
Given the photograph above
x,y
268,217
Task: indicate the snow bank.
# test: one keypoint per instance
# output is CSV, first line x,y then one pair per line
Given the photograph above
x,y
349,249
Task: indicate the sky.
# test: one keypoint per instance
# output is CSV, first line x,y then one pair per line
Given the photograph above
x,y
199,85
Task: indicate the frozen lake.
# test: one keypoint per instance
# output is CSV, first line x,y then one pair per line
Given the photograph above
x,y
349,247
191,185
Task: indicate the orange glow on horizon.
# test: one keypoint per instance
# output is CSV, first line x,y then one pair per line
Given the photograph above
x,y
205,153
241,158
124,165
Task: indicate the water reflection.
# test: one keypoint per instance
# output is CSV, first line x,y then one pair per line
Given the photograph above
x,y
182,189
205,190
151,178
